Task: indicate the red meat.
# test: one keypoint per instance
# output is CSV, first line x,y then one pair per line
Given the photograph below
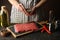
x,y
25,27
18,28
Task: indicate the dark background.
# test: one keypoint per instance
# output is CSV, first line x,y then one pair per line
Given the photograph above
x,y
51,4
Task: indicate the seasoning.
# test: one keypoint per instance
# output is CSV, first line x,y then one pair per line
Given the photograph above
x,y
4,16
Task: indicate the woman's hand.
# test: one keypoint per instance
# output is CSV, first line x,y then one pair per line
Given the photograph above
x,y
21,8
33,10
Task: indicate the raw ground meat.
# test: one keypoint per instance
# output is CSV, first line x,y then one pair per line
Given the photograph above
x,y
25,27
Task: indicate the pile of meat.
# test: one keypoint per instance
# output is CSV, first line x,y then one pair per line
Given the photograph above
x,y
25,27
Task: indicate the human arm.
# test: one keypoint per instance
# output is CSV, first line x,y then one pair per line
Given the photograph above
x,y
19,6
14,2
38,5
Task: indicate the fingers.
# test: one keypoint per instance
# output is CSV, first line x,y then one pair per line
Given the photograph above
x,y
24,10
26,13
33,10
